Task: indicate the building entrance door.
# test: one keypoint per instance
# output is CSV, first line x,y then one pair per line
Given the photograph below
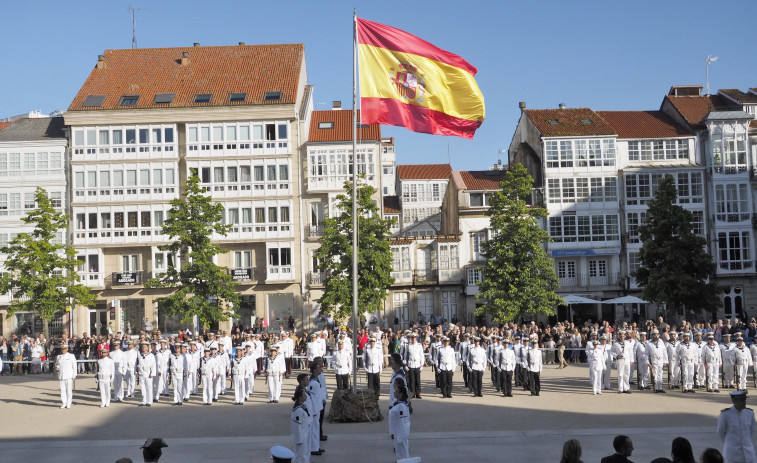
x,y
98,322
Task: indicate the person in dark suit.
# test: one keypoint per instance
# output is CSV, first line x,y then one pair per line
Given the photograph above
x,y
623,449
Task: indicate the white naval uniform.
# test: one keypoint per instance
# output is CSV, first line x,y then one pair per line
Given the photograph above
x,y
727,356
623,353
642,363
130,377
743,360
687,354
105,373
597,365
161,365
190,373
712,359
146,369
399,423
275,369
658,357
674,364
251,366
178,366
207,373
314,391
737,430
300,429
119,371
224,361
65,365
239,376
699,367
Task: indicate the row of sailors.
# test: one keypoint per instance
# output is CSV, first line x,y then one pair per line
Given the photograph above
x,y
689,364
187,367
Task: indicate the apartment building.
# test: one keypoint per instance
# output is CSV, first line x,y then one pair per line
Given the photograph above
x,y
327,166
420,189
142,122
33,153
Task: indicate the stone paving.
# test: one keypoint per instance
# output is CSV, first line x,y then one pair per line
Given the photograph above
x,y
461,429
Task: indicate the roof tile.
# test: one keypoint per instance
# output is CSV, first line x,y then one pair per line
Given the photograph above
x,y
568,122
423,171
695,108
481,180
220,71
644,124
739,96
341,129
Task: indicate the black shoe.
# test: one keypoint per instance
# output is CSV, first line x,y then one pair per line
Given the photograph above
x,y
418,396
626,392
324,438
316,453
509,395
663,391
149,405
717,390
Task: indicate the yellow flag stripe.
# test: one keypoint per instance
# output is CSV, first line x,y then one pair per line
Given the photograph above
x,y
440,86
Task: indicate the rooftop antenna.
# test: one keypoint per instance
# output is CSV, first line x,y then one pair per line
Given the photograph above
x,y
710,59
449,159
133,12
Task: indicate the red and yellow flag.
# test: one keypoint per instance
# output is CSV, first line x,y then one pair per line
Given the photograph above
x,y
409,82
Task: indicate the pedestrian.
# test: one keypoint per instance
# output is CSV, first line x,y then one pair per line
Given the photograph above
x,y
399,420
736,429
153,449
65,366
571,452
623,449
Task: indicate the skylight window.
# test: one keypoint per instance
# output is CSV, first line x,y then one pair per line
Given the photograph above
x,y
203,97
586,121
272,96
554,122
93,101
128,100
325,125
237,97
163,98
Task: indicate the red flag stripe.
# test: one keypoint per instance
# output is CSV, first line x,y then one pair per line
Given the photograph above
x,y
391,38
390,111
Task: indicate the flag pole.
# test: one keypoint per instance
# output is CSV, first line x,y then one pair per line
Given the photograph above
x,y
354,202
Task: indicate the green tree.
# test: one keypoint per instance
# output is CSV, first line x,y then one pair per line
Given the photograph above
x,y
518,278
374,256
41,271
675,268
201,287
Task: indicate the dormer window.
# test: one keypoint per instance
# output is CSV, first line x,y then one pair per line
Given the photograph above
x,y
203,97
237,97
128,100
325,125
272,96
554,122
93,101
163,98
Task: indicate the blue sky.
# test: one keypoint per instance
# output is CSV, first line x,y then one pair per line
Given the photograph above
x,y
606,55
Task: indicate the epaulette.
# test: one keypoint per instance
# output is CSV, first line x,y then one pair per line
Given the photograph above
x,y
725,409
747,408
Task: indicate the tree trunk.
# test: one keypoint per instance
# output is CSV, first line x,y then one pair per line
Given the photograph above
x,y
46,328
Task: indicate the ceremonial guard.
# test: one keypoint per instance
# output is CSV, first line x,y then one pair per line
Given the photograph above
x,y
742,360
674,365
463,348
216,364
314,391
507,368
687,354
162,356
433,353
642,362
342,366
207,372
119,371
130,357
658,358
146,372
712,359
414,358
446,364
399,420
178,366
534,367
700,373
239,376
476,364
224,362
398,372
193,365
737,430
274,371
609,358
597,364
105,372
726,351
65,367
250,369
287,350
373,361
300,427
496,349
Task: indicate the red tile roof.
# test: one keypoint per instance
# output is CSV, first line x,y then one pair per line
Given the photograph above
x,y
392,205
739,96
424,171
4,125
695,108
220,71
341,130
643,124
478,180
568,122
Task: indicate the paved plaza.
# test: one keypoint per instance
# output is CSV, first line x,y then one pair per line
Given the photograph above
x,y
461,429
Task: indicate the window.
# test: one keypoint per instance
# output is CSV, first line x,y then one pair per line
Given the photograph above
x,y
597,269
203,97
734,252
634,220
325,125
584,228
474,276
163,98
732,202
242,259
728,152
93,101
279,256
130,263
237,97
480,199
448,256
580,153
272,96
658,150
128,100
477,240
690,187
566,269
92,220
400,258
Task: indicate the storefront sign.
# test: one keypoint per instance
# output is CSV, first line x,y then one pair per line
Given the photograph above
x,y
240,274
584,252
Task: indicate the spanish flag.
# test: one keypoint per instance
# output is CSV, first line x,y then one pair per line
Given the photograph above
x,y
409,82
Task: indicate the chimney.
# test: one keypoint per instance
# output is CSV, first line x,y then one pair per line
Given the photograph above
x,y
522,105
241,44
336,104
100,62
561,106
185,58
197,44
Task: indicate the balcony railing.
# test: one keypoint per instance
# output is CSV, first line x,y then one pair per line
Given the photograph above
x,y
314,231
729,170
732,217
316,278
586,279
736,265
425,277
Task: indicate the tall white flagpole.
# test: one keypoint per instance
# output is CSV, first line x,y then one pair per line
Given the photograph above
x,y
354,202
